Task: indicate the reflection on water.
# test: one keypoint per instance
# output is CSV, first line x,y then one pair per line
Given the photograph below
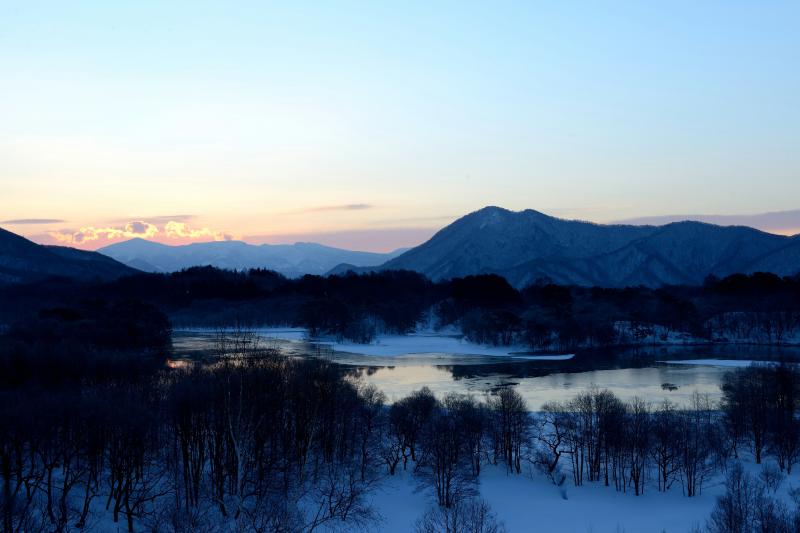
x,y
626,383
626,372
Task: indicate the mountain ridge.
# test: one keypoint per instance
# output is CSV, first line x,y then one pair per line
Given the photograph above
x,y
525,246
289,259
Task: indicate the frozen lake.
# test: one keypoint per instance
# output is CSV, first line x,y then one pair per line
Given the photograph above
x,y
398,365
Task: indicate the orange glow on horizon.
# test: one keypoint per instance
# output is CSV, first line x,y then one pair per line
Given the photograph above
x,y
172,232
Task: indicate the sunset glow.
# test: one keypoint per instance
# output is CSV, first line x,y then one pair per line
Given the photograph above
x,y
373,126
172,232
420,266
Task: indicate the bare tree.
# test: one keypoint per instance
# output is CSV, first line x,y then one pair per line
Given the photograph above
x,y
694,447
637,440
552,433
510,426
664,448
466,516
444,465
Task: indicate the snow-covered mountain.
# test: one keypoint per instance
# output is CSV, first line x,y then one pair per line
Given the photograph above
x,y
528,245
289,259
22,260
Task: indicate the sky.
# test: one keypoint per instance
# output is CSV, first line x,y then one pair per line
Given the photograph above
x,y
369,125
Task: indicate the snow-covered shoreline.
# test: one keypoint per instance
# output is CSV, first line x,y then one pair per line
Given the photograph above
x,y
451,341
400,345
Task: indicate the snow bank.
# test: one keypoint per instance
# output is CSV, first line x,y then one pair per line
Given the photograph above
x,y
565,357
417,343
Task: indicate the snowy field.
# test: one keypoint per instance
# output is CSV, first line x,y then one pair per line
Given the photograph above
x,y
531,503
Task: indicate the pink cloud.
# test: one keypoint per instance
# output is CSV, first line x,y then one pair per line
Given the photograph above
x,y
88,234
180,230
171,232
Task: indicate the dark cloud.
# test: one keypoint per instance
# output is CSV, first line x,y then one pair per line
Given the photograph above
x,y
26,221
138,226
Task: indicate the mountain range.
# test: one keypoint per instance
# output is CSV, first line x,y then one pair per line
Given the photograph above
x,y
522,246
23,261
289,259
527,246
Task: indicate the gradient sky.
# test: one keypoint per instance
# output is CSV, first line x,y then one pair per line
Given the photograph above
x,y
370,124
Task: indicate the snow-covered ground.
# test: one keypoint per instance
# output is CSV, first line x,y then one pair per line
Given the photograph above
x,y
445,363
530,502
450,342
416,343
398,345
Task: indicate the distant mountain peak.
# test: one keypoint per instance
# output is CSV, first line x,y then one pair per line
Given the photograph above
x,y
288,259
527,245
490,210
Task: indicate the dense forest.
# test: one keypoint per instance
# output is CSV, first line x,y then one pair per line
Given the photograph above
x,y
759,308
105,433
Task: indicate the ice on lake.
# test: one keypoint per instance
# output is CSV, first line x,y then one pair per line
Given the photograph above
x,y
399,364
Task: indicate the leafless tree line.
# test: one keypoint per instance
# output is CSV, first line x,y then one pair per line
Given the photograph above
x,y
599,438
262,442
